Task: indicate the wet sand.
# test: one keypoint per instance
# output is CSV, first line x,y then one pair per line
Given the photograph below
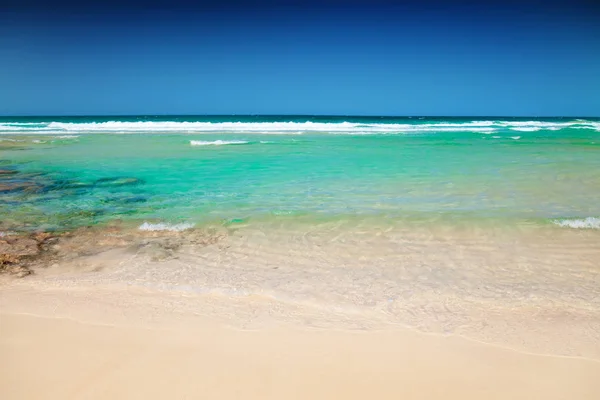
x,y
326,311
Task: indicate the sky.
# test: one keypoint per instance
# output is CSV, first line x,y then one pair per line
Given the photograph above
x,y
448,58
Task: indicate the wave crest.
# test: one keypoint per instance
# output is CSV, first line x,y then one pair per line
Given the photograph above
x,y
290,127
216,142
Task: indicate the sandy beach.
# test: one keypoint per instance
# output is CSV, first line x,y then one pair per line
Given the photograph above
x,y
56,358
277,313
312,200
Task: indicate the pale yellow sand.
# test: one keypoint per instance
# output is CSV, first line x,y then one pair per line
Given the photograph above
x,y
53,358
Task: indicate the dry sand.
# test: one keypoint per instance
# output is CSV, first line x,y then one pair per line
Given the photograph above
x,y
46,358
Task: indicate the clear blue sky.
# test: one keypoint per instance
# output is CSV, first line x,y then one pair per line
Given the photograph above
x,y
332,57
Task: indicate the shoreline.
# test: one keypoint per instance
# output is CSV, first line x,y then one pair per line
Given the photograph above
x,y
534,291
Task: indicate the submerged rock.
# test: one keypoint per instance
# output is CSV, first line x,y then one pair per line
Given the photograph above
x,y
157,251
23,254
18,271
19,253
14,252
12,180
134,199
63,184
124,199
20,186
18,246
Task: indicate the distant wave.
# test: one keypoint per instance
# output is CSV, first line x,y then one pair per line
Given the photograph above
x,y
216,142
147,226
586,223
354,128
527,129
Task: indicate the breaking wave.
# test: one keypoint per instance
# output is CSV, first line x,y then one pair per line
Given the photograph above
x,y
527,129
290,127
216,142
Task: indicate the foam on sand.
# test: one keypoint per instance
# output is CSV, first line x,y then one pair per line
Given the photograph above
x,y
147,226
585,223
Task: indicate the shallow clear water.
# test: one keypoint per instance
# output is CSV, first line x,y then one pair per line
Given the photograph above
x,y
82,171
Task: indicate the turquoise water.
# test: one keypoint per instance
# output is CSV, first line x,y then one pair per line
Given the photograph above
x,y
68,172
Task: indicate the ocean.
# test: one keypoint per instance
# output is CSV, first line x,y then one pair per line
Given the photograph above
x,y
176,172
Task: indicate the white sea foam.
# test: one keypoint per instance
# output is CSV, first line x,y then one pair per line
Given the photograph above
x,y
147,226
515,137
586,223
216,142
532,129
283,127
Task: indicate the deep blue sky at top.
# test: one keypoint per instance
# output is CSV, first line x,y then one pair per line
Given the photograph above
x,y
530,58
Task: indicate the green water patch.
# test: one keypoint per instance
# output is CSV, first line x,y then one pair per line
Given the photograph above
x,y
32,200
117,181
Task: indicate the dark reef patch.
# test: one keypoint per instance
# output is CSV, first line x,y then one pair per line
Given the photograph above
x,y
18,252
